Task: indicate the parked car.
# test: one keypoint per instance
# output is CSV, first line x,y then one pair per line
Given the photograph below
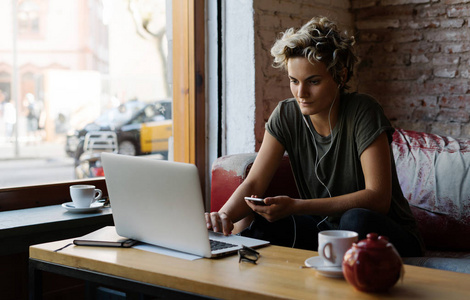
x,y
140,128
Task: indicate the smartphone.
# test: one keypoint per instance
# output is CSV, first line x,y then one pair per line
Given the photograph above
x,y
257,201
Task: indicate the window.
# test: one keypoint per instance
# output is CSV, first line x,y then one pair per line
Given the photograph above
x,y
29,14
88,82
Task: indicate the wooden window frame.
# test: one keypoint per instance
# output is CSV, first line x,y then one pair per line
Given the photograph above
x,y
189,84
188,107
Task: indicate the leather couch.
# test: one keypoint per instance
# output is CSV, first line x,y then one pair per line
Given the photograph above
x,y
434,173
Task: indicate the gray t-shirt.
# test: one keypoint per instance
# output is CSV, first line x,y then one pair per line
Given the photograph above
x,y
360,121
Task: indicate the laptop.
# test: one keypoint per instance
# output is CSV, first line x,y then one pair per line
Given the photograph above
x,y
160,202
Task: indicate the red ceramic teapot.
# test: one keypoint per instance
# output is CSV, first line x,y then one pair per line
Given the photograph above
x,y
373,264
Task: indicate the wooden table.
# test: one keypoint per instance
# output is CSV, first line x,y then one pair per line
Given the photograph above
x,y
277,275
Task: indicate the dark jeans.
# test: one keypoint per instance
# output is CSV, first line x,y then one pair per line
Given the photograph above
x,y
303,233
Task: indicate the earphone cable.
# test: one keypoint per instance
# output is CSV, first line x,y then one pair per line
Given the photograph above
x,y
295,231
317,162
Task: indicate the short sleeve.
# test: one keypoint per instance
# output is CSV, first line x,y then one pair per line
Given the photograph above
x,y
369,122
275,125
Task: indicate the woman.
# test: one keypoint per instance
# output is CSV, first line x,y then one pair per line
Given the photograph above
x,y
339,148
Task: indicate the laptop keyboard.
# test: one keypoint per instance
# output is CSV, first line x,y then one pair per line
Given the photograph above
x,y
218,245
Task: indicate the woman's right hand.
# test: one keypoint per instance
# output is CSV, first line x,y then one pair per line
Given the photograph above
x,y
219,222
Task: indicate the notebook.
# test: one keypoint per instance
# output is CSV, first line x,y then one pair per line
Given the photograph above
x,y
160,203
105,237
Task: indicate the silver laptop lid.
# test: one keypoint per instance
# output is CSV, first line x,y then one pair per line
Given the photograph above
x,y
157,202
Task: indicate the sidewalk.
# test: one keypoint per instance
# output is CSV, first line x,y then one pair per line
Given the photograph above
x,y
32,150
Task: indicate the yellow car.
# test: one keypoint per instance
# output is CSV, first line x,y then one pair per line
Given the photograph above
x,y
148,131
140,128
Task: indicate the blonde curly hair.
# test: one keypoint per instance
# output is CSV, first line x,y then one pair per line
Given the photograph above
x,y
319,40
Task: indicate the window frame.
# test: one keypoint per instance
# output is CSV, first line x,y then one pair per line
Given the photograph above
x,y
188,107
189,84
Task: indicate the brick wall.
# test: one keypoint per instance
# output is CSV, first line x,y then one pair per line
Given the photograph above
x,y
415,57
416,61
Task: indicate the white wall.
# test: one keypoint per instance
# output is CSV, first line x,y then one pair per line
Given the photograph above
x,y
212,82
239,76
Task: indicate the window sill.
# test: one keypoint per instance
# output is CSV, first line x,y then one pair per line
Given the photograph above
x,y
15,198
24,227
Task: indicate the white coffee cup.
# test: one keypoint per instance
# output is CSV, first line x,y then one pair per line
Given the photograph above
x,y
83,195
333,244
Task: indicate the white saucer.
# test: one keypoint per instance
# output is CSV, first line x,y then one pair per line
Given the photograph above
x,y
316,262
94,206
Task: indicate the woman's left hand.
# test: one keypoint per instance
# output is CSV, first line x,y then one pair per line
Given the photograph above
x,y
276,208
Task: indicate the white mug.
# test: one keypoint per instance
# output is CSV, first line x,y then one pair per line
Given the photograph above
x,y
333,244
84,195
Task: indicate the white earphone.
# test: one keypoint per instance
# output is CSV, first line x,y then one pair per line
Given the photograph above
x,y
317,163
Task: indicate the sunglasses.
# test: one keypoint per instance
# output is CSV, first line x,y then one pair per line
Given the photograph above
x,y
248,254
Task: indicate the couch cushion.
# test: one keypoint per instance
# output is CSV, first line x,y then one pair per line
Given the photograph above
x,y
434,173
